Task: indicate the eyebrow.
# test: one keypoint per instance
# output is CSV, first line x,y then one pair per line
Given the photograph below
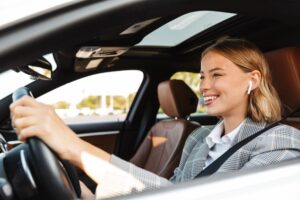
x,y
212,70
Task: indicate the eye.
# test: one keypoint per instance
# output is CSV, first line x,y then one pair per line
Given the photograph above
x,y
216,75
201,77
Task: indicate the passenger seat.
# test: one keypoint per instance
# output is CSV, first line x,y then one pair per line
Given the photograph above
x,y
160,151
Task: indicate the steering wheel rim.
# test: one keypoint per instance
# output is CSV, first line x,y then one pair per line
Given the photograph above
x,y
51,177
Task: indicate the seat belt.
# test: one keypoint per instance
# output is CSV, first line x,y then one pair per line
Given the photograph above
x,y
215,165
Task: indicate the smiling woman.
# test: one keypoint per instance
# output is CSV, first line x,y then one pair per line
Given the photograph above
x,y
96,30
225,89
219,66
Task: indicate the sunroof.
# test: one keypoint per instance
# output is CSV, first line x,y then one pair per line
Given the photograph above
x,y
184,27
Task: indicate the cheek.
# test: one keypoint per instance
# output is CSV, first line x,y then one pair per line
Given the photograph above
x,y
222,86
232,88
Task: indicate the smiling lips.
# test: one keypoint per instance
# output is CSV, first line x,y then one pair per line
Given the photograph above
x,y
209,99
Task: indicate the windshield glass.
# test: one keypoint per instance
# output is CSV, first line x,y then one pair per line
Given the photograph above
x,y
13,10
7,77
184,27
14,80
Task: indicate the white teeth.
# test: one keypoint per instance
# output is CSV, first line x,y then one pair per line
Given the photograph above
x,y
209,98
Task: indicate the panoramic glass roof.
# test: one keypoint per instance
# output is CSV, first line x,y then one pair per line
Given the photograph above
x,y
184,27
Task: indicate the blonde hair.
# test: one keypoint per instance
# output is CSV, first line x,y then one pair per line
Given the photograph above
x,y
264,103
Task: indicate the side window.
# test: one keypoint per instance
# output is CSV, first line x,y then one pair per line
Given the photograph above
x,y
192,80
103,97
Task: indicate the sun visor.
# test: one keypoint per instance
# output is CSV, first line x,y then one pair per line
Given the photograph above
x,y
89,58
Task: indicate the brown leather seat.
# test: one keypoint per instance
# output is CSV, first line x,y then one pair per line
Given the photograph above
x,y
161,149
285,69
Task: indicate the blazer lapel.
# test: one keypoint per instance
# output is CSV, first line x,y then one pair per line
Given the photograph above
x,y
247,129
195,166
235,161
198,164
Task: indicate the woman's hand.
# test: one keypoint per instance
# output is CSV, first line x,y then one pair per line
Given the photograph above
x,y
31,118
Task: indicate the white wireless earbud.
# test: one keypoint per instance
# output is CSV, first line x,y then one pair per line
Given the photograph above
x,y
249,87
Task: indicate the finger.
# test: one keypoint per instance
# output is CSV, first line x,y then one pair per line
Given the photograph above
x,y
25,122
22,111
28,132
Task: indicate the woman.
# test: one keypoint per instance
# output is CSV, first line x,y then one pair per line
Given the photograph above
x,y
236,86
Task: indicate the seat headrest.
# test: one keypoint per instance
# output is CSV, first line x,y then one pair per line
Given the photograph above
x,y
176,98
285,69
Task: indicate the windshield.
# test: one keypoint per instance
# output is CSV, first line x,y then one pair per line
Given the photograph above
x,y
13,10
20,78
14,80
184,27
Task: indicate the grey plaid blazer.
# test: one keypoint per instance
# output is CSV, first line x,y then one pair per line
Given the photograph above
x,y
275,145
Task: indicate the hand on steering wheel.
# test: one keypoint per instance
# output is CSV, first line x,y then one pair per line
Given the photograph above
x,y
53,182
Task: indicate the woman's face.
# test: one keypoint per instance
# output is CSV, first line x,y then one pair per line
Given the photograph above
x,y
223,86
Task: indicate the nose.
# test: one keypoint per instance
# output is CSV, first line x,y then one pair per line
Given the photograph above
x,y
204,85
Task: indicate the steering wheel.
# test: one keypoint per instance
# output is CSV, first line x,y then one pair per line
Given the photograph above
x,y
49,175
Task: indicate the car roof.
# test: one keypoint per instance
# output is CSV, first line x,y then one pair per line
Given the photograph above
x,y
99,23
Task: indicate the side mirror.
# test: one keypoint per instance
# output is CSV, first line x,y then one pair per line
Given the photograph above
x,y
39,69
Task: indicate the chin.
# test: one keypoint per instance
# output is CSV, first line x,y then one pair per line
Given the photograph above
x,y
213,112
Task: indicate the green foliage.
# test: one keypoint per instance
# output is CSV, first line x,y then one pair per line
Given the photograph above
x,y
123,103
130,98
119,102
91,102
61,105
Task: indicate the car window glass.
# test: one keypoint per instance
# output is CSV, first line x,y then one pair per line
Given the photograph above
x,y
20,79
193,81
104,97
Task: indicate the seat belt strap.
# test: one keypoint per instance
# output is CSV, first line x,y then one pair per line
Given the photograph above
x,y
215,165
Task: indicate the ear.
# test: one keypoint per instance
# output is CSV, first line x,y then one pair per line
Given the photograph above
x,y
255,77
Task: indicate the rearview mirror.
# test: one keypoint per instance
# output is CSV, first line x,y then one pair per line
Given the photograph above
x,y
39,69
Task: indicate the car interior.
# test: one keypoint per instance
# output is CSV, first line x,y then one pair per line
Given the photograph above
x,y
88,38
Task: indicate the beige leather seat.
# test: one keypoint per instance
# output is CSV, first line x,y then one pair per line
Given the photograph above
x,y
285,69
161,149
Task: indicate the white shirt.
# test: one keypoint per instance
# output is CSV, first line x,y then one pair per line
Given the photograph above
x,y
219,145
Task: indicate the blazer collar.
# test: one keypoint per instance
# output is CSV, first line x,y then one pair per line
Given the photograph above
x,y
248,128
